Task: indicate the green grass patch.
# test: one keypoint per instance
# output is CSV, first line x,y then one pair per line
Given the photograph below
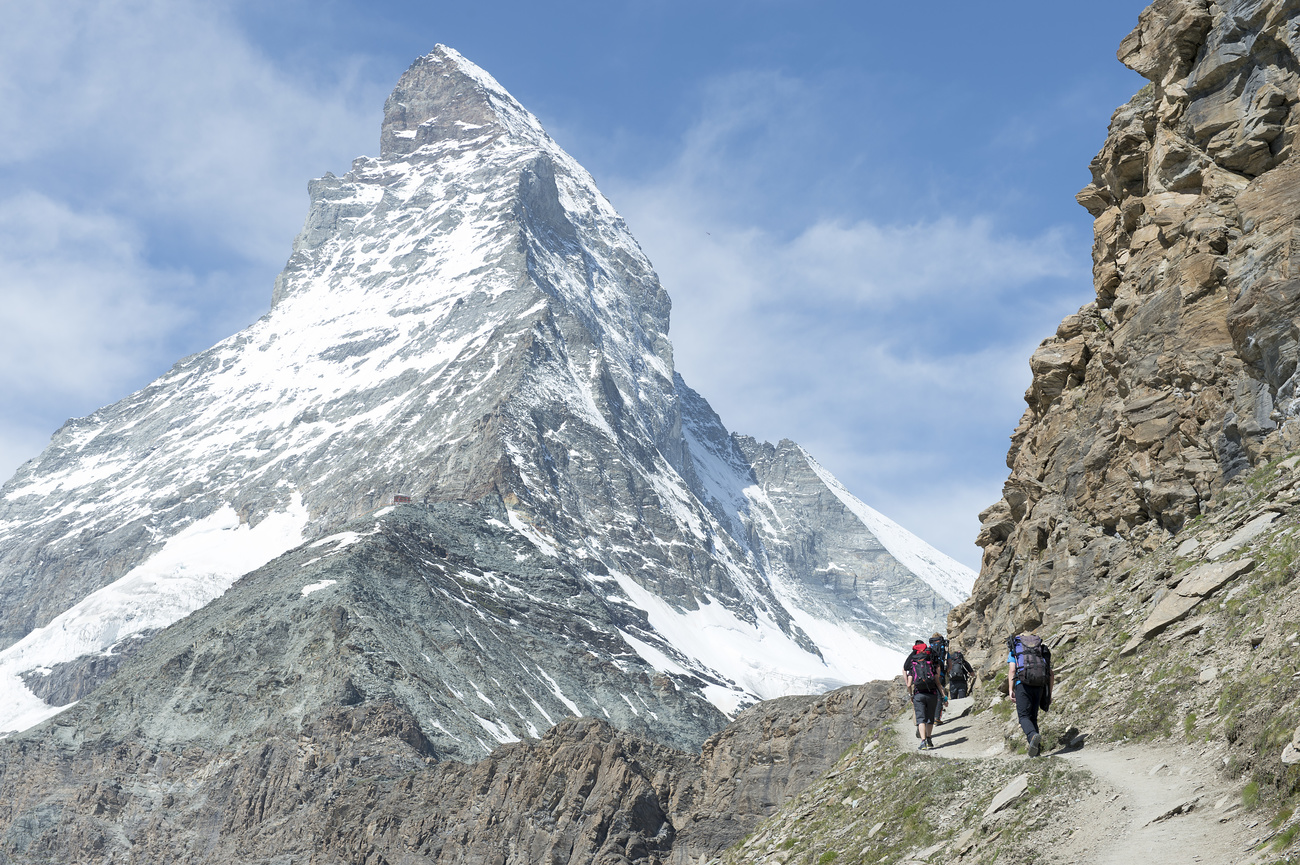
x,y
1250,795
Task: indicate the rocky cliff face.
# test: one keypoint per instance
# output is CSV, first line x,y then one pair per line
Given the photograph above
x,y
465,328
297,776
1181,374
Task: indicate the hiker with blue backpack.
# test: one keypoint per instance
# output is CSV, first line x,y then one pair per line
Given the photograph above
x,y
1029,682
923,684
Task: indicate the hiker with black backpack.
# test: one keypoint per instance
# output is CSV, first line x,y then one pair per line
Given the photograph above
x,y
922,673
1029,682
959,672
939,654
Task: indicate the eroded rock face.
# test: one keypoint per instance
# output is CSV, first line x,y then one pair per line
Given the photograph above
x,y
1181,374
359,783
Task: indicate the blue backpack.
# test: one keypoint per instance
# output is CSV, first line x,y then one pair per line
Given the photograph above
x,y
939,651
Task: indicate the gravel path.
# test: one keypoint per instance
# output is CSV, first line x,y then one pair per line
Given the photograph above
x,y
1151,804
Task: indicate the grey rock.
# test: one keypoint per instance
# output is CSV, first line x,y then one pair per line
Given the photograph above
x,y
1242,536
1205,580
1017,787
68,682
360,783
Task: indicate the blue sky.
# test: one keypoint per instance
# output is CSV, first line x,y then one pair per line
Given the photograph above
x,y
863,211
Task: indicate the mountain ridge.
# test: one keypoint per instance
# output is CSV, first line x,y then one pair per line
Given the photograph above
x,y
464,323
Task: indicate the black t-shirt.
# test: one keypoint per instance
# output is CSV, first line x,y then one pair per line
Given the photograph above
x,y
928,658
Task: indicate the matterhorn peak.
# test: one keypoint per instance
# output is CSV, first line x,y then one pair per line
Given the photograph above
x,y
443,97
458,424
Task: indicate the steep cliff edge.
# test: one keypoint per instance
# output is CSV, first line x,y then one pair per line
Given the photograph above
x,y
1181,374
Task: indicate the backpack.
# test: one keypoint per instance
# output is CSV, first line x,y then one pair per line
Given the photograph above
x,y
1033,663
956,666
923,675
939,649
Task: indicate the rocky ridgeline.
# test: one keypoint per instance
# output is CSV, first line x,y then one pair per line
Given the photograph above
x,y
1181,374
355,781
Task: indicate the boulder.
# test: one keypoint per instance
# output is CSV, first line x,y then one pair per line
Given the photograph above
x,y
1203,581
1243,535
1018,787
1291,753
1191,589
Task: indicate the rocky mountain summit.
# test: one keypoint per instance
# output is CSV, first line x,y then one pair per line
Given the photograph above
x,y
452,469
1181,375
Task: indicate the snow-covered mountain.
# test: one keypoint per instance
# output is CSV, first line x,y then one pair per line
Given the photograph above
x,y
465,330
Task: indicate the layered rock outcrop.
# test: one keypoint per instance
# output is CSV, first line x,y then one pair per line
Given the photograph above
x,y
1182,372
355,780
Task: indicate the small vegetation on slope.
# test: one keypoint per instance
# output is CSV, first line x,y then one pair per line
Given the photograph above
x,y
880,804
1224,678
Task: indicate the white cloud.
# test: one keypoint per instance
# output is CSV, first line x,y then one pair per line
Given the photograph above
x,y
895,351
175,114
79,306
156,165
82,314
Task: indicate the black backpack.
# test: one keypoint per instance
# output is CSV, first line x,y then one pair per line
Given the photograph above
x,y
956,666
1033,663
923,675
939,650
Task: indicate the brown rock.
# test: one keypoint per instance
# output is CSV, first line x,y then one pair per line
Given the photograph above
x,y
1184,378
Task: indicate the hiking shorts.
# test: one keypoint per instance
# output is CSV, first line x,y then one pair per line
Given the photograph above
x,y
926,706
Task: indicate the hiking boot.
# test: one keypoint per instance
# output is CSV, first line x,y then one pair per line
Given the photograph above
x,y
929,743
1035,745
924,746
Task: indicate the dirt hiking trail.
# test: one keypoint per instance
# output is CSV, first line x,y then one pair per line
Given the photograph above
x,y
1150,804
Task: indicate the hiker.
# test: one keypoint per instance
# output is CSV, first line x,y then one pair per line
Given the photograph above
x,y
923,685
1029,682
959,671
939,654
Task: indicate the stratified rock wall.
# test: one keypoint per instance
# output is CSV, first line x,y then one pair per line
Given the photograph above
x,y
1181,374
359,783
